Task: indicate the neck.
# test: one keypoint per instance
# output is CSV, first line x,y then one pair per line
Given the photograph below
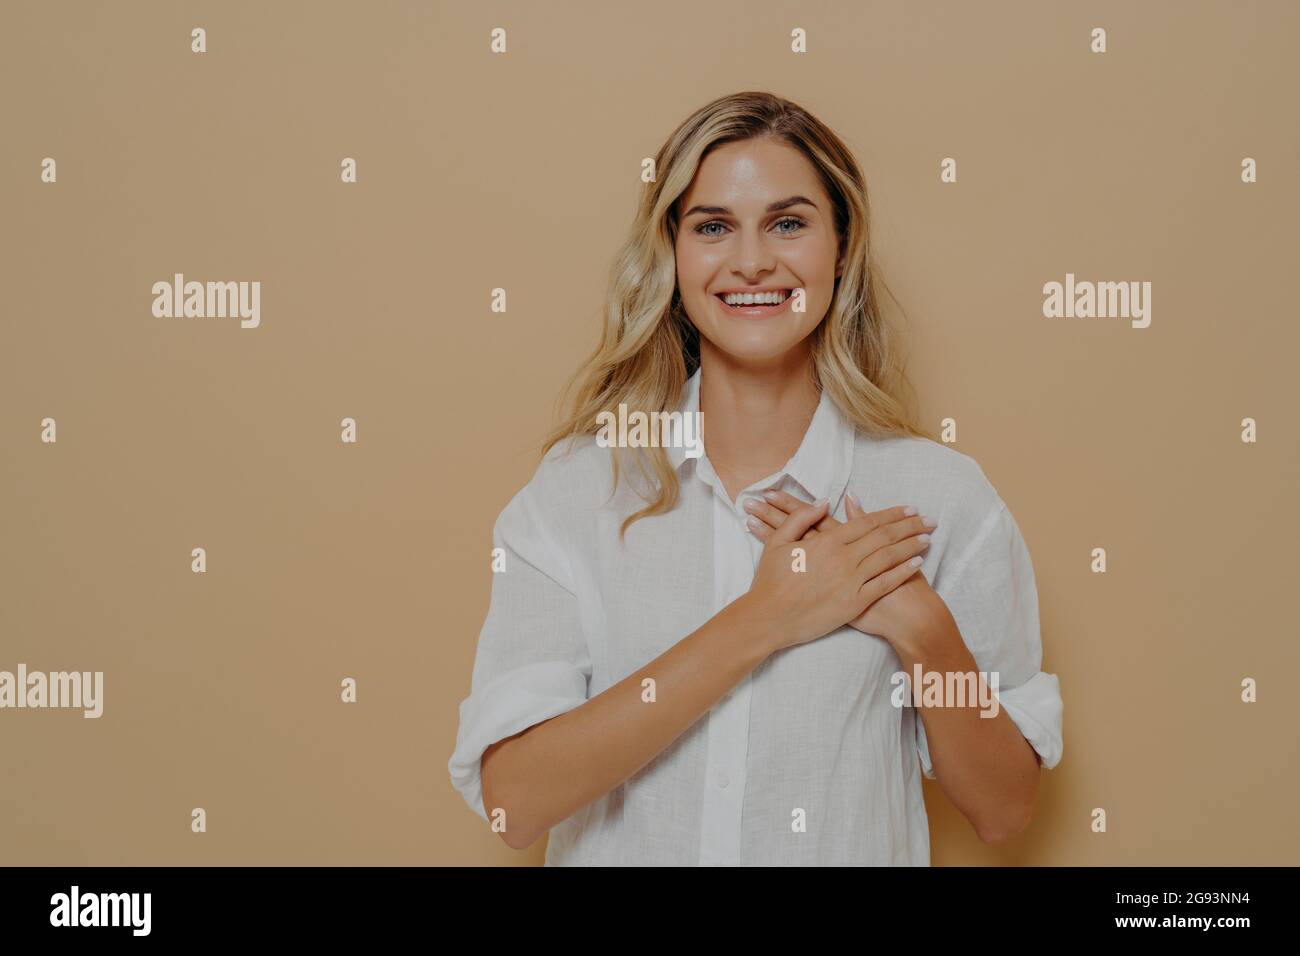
x,y
755,417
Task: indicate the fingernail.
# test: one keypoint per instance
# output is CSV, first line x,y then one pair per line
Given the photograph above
x,y
929,522
923,539
909,510
854,498
750,504
770,494
751,523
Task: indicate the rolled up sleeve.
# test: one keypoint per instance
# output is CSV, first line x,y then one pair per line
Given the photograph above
x,y
990,589
532,661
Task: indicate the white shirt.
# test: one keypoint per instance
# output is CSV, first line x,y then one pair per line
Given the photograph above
x,y
812,728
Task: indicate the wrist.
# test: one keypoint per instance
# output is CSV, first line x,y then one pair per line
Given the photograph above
x,y
761,636
928,631
937,647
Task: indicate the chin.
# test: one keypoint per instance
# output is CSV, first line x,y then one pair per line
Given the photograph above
x,y
750,352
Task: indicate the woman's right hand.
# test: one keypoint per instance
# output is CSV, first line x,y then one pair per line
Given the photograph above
x,y
844,570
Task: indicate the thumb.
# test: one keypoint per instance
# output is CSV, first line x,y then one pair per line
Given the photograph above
x,y
797,524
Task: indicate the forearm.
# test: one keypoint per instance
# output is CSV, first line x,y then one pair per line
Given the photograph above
x,y
551,770
984,764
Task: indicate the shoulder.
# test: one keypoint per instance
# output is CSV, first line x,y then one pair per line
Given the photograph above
x,y
571,472
541,522
572,477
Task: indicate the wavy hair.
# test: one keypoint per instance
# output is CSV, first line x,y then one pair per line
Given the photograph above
x,y
649,347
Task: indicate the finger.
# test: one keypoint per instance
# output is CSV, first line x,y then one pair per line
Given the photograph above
x,y
787,503
780,499
876,588
798,522
853,508
890,545
770,515
758,528
857,528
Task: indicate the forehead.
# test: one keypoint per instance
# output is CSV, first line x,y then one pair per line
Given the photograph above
x,y
749,174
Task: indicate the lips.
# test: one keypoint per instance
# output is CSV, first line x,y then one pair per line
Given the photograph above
x,y
754,311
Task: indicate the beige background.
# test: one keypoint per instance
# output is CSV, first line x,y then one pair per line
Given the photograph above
x,y
371,560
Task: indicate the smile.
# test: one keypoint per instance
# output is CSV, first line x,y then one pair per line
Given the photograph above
x,y
760,308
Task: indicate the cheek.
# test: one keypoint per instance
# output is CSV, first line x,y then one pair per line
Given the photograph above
x,y
818,273
693,272
815,264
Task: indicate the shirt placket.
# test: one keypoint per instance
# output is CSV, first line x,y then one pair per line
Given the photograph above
x,y
734,561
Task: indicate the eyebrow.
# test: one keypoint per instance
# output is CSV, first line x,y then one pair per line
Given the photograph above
x,y
773,207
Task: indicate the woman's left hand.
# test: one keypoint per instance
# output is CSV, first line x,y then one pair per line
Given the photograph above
x,y
908,617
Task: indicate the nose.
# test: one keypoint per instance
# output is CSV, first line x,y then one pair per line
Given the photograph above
x,y
753,257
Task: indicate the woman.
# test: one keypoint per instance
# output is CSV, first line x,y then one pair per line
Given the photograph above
x,y
678,669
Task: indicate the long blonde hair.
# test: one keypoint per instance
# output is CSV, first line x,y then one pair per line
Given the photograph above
x,y
649,347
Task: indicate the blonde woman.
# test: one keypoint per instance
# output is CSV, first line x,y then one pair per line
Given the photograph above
x,y
698,659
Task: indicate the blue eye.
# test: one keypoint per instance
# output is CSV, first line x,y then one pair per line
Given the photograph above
x,y
795,220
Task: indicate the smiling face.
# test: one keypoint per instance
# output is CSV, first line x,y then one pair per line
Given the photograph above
x,y
756,219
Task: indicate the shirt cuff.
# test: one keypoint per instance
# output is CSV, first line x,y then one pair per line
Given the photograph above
x,y
1035,708
505,706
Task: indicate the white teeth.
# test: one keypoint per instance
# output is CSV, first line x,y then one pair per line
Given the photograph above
x,y
755,298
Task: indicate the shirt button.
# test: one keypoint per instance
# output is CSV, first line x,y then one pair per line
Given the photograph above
x,y
723,780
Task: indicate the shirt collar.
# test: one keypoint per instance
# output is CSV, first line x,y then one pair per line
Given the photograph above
x,y
823,461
